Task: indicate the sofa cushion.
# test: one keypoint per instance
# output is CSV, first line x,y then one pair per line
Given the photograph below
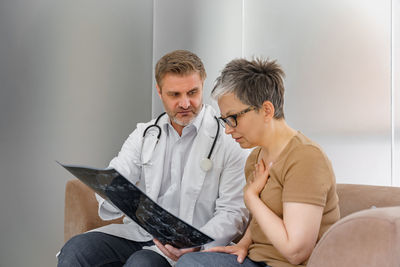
x,y
365,238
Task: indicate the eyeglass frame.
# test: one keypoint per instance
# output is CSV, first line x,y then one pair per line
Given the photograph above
x,y
225,120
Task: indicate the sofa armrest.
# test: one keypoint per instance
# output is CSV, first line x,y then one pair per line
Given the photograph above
x,y
81,210
365,238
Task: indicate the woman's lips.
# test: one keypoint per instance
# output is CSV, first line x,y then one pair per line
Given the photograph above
x,y
237,139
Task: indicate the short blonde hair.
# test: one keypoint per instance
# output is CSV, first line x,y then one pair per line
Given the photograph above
x,y
179,62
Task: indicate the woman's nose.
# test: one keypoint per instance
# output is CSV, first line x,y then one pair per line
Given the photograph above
x,y
228,129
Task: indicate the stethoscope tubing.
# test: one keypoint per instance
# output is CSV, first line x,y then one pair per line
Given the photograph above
x,y
215,139
155,125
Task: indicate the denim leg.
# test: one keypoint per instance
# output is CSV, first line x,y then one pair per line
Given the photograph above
x,y
215,259
146,258
98,249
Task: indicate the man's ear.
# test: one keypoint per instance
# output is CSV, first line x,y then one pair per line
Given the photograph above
x,y
158,90
269,110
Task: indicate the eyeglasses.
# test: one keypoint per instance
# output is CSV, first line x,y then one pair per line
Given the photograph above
x,y
231,120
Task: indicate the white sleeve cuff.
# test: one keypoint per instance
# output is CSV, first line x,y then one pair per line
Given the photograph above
x,y
107,211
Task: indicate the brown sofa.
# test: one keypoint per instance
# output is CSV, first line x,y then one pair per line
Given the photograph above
x,y
367,235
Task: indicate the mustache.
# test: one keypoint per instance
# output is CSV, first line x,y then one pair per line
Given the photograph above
x,y
185,110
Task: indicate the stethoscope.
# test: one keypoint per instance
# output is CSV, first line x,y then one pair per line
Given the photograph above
x,y
205,164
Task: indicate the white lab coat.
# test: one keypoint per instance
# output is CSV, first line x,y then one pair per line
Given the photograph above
x,y
211,201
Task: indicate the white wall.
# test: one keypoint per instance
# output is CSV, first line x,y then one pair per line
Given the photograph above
x,y
337,56
396,91
75,78
338,89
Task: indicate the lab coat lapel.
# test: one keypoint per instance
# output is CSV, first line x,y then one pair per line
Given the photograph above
x,y
193,175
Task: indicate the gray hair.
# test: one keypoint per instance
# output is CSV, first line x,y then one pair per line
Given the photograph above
x,y
253,83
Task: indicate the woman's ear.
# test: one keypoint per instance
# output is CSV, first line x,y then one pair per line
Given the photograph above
x,y
268,109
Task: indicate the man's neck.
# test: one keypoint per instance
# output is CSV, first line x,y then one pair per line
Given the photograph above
x,y
178,128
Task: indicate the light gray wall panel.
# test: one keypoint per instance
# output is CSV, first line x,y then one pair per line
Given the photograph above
x,y
211,29
336,56
396,90
75,78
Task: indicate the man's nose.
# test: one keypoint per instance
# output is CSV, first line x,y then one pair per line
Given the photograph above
x,y
184,102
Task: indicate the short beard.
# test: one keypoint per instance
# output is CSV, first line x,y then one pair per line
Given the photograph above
x,y
184,124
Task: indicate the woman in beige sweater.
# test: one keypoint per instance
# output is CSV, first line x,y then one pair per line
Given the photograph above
x,y
291,188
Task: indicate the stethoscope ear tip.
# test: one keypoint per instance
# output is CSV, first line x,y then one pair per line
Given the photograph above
x,y
206,164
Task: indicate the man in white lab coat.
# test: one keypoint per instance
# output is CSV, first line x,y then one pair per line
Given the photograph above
x,y
174,172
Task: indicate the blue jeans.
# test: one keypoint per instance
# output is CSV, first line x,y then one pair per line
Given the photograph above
x,y
100,249
215,259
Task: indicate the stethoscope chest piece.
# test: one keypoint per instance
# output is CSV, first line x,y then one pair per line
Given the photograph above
x,y
206,164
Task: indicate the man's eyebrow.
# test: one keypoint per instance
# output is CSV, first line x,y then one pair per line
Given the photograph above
x,y
194,89
173,92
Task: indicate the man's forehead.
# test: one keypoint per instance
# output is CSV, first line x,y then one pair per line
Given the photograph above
x,y
181,75
172,82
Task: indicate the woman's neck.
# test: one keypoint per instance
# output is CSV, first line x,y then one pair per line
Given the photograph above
x,y
280,135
